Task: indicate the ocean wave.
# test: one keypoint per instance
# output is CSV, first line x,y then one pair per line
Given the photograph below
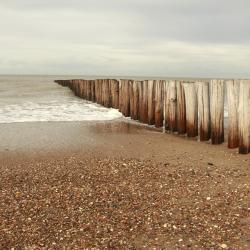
x,y
77,110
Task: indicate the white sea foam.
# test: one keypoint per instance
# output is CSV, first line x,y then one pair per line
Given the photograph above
x,y
40,100
78,110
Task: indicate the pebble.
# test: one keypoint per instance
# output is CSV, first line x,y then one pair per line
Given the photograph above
x,y
224,246
81,203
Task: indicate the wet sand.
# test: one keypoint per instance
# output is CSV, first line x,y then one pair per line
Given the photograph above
x,y
116,185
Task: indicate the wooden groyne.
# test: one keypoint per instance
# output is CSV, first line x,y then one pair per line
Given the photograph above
x,y
182,107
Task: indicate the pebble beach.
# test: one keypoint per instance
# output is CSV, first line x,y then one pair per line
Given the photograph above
x,y
121,186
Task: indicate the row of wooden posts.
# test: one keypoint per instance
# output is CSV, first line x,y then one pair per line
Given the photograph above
x,y
192,108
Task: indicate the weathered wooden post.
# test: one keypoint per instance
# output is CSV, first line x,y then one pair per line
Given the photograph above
x,y
75,87
233,88
120,96
135,91
114,86
140,101
106,93
124,96
244,117
99,91
74,83
166,105
96,91
181,108
145,102
80,87
92,90
159,94
204,110
191,109
71,85
151,102
217,111
131,99
133,94
103,92
88,90
171,107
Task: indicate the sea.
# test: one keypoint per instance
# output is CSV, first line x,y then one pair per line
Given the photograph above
x,y
40,99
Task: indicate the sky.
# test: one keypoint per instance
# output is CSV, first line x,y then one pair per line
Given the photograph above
x,y
181,38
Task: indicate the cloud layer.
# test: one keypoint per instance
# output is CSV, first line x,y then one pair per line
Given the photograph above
x,y
126,37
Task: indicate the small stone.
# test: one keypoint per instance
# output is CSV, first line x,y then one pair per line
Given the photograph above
x,y
224,246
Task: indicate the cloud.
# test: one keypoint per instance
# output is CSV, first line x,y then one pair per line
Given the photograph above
x,y
139,37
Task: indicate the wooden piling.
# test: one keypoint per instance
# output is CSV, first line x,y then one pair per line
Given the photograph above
x,y
132,99
203,110
182,103
144,100
84,89
233,88
120,96
89,91
106,93
72,85
135,102
159,88
114,88
151,102
191,109
92,90
244,117
89,97
98,91
80,88
166,105
181,108
75,87
124,98
170,107
140,101
217,111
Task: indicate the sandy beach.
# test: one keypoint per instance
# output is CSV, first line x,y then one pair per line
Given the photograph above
x,y
116,185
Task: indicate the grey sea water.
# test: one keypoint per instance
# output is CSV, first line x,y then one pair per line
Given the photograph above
x,y
38,98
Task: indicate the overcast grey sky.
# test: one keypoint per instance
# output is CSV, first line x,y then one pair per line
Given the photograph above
x,y
196,38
